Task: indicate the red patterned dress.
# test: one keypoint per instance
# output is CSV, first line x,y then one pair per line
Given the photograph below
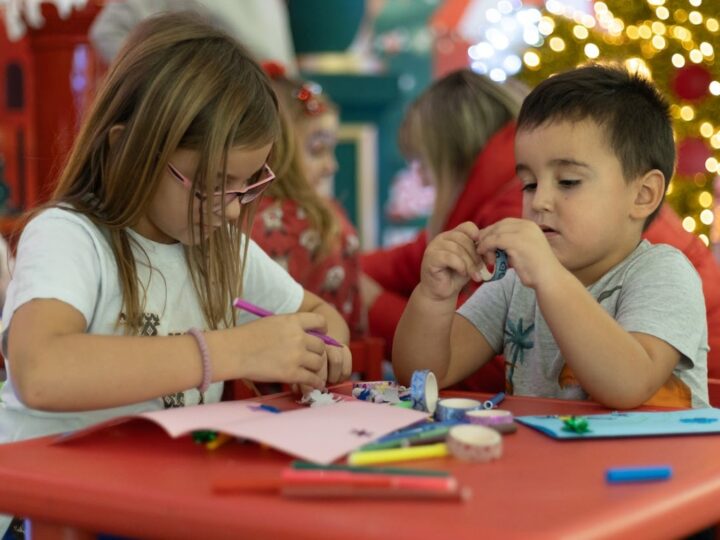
x,y
283,231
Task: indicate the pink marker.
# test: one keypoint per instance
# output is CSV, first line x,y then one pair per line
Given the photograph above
x,y
260,312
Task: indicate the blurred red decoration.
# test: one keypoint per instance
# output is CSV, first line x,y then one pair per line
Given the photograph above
x,y
274,70
692,155
691,82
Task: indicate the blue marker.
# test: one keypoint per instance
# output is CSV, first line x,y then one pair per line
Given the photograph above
x,y
618,475
494,401
413,431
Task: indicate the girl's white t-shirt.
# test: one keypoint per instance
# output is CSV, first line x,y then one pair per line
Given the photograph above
x,y
63,255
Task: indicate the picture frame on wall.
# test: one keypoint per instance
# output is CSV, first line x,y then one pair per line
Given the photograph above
x,y
356,181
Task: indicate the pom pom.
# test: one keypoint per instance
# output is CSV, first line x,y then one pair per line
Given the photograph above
x,y
274,70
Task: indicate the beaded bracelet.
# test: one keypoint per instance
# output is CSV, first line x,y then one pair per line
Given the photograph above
x,y
205,354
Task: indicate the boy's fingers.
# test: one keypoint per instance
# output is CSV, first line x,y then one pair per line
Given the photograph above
x,y
465,252
469,229
465,244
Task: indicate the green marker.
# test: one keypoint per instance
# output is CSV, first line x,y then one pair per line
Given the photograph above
x,y
304,465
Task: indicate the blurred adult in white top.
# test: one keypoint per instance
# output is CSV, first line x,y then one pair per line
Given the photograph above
x,y
262,26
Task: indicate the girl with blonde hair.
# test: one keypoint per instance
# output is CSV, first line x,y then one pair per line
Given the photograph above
x,y
145,235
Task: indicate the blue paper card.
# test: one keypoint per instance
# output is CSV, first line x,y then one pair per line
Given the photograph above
x,y
630,424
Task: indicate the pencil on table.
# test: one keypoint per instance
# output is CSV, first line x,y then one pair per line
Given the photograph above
x,y
221,439
398,454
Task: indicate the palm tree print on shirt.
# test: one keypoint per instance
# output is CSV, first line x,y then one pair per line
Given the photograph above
x,y
520,341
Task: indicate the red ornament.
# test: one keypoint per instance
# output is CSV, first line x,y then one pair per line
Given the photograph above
x,y
691,82
304,94
307,96
692,155
273,70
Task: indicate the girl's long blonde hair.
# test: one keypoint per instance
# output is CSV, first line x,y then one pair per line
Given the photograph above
x,y
448,125
286,161
177,83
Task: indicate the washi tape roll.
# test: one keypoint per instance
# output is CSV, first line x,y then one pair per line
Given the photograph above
x,y
379,391
454,409
424,391
501,266
492,417
474,443
375,384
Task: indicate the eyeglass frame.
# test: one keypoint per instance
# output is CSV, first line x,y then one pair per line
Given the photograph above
x,y
242,194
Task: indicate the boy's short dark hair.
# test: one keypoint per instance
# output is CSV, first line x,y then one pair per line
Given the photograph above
x,y
632,111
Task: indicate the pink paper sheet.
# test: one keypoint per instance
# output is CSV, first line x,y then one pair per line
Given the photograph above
x,y
317,434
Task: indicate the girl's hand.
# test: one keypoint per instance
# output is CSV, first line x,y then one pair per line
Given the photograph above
x,y
339,362
278,349
338,367
450,261
526,246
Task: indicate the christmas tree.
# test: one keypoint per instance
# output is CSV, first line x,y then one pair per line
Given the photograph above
x,y
673,43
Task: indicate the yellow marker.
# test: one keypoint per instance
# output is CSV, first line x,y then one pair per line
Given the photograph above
x,y
221,439
371,457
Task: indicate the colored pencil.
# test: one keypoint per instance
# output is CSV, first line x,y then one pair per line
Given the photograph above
x,y
398,454
618,475
220,440
354,492
340,483
304,465
292,476
431,436
262,312
494,401
416,430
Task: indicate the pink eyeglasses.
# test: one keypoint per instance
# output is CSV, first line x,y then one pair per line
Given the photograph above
x,y
220,199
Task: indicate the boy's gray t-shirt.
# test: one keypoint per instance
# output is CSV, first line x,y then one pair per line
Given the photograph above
x,y
654,291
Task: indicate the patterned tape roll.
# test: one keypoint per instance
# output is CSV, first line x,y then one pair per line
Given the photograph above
x,y
493,417
501,266
375,384
424,391
454,409
474,443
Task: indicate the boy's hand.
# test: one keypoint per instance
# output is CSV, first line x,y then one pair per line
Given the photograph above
x,y
450,261
527,248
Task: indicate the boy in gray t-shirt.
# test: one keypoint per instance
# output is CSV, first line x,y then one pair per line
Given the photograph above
x,y
588,309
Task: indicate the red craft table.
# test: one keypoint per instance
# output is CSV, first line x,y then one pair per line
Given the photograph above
x,y
134,480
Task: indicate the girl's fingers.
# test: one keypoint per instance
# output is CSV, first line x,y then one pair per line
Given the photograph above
x,y
313,362
312,321
339,365
314,344
346,364
308,378
335,370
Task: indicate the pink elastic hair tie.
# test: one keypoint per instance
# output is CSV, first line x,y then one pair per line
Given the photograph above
x,y
205,355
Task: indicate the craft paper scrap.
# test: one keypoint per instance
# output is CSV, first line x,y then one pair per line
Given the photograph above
x,y
317,434
630,424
